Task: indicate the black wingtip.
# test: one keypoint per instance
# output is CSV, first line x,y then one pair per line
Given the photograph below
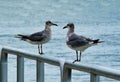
x,y
22,37
97,41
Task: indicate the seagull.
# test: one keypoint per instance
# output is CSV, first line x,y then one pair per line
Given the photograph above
x,y
39,38
78,42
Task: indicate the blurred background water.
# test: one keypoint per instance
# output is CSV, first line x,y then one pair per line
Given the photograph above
x,y
92,18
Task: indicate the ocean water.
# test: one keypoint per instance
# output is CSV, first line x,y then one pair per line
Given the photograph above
x,y
92,18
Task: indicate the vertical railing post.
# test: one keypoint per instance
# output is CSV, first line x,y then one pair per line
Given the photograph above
x,y
94,78
20,69
40,71
3,67
66,75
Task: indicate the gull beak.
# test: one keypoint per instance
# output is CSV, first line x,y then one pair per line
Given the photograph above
x,y
54,24
64,27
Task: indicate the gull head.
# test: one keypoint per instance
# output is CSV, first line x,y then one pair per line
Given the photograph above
x,y
69,26
49,23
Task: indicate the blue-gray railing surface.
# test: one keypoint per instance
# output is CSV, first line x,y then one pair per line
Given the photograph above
x,y
65,67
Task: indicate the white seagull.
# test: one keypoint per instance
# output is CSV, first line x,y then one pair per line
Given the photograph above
x,y
77,42
39,38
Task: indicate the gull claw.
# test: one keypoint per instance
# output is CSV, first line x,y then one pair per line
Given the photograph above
x,y
41,53
76,61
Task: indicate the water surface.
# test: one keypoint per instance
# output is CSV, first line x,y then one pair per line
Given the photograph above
x,y
92,18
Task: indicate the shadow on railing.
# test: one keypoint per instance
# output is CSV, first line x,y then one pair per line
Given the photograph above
x,y
65,67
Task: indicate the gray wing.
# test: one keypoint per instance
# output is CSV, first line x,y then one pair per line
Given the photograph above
x,y
39,36
76,41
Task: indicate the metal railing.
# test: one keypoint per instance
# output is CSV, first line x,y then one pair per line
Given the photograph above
x,y
65,67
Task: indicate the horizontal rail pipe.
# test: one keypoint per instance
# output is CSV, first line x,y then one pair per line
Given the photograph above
x,y
99,70
17,52
95,71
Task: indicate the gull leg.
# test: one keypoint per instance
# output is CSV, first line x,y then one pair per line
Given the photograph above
x,y
41,49
80,56
76,57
